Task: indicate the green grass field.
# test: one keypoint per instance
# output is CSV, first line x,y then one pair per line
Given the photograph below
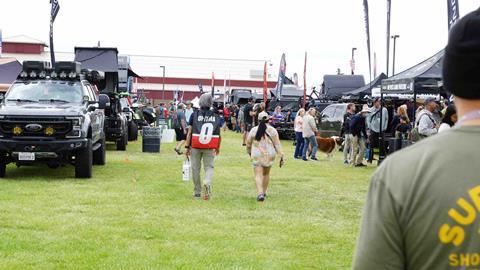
x,y
137,213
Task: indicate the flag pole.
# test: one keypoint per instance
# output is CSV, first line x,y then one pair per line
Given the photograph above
x,y
265,84
305,82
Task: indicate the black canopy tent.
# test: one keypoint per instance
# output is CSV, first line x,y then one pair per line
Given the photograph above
x,y
424,78
367,89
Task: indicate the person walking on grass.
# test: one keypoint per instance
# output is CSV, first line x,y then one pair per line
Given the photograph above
x,y
263,145
203,144
180,126
299,134
422,206
309,131
347,148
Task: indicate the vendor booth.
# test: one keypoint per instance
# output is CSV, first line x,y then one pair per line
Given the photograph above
x,y
422,79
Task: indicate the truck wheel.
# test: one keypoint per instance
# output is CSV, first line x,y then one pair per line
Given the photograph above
x,y
99,156
3,166
122,143
83,161
132,131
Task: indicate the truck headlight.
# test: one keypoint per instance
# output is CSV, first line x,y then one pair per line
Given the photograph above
x,y
77,123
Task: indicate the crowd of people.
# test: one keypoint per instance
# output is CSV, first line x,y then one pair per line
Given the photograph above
x,y
422,205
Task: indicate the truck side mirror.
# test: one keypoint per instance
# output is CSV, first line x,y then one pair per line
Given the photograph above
x,y
103,102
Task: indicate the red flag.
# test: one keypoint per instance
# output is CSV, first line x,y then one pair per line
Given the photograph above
x,y
305,82
265,84
213,84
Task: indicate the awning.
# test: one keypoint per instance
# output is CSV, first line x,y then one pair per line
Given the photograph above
x,y
101,59
425,77
9,70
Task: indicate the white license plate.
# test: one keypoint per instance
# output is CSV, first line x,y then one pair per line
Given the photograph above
x,y
26,156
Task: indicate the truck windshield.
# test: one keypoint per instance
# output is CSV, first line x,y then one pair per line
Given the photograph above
x,y
45,91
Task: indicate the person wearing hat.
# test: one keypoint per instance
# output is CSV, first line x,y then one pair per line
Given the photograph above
x,y
373,122
423,205
358,129
263,145
426,122
179,123
188,111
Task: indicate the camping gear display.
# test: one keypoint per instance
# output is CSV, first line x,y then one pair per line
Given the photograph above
x,y
206,130
151,139
186,170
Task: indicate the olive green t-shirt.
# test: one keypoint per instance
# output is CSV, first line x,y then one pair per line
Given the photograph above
x,y
423,207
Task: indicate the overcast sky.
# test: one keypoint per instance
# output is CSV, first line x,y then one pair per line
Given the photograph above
x,y
249,29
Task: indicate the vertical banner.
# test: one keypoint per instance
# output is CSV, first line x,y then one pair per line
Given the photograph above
x,y
389,10
265,83
295,79
281,77
305,82
367,26
1,41
453,12
53,16
213,84
225,90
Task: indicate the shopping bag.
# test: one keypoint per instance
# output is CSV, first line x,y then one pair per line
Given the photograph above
x,y
186,170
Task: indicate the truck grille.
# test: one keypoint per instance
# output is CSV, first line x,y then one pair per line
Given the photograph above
x,y
60,125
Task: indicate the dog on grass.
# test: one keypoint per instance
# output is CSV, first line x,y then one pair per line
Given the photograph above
x,y
327,145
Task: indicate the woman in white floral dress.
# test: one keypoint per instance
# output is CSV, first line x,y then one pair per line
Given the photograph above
x,y
263,145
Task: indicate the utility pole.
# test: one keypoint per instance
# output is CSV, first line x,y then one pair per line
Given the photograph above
x,y
394,37
163,82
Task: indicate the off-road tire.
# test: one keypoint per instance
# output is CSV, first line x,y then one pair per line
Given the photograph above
x,y
3,166
132,131
122,143
99,156
84,161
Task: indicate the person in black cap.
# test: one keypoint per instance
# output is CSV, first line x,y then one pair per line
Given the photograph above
x,y
423,205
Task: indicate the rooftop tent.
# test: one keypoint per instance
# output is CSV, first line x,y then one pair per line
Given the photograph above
x,y
102,59
9,70
240,96
289,91
425,77
335,86
259,96
367,89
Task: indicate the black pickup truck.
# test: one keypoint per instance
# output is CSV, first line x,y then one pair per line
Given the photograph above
x,y
53,116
